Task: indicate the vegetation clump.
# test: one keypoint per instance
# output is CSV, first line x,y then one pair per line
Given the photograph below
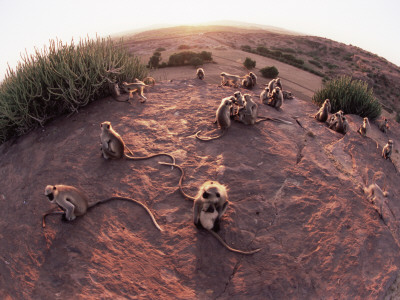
x,y
269,72
350,96
60,79
189,58
249,63
155,60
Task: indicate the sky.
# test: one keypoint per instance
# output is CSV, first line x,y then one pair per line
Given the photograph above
x,y
26,24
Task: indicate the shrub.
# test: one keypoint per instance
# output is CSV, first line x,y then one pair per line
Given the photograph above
x,y
249,63
246,48
269,72
206,56
196,61
263,50
160,49
187,58
315,63
154,61
351,96
60,79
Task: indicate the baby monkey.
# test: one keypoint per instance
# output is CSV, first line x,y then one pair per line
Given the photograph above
x,y
210,203
73,203
112,145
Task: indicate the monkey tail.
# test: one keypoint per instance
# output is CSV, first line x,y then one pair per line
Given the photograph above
x,y
230,248
132,157
180,180
262,119
210,138
130,200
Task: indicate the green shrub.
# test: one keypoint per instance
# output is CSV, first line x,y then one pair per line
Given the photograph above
x,y
315,63
154,61
351,96
263,50
249,63
60,79
206,56
195,61
187,58
269,72
246,48
160,49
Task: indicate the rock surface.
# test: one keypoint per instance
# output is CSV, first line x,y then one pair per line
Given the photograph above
x,y
296,192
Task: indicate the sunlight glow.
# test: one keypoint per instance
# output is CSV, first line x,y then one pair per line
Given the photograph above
x,y
28,24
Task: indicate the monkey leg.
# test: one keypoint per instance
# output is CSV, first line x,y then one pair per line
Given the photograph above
x,y
53,211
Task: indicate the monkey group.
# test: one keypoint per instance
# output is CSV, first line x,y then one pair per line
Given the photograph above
x,y
248,81
211,201
338,122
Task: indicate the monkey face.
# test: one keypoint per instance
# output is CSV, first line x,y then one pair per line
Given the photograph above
x,y
105,125
49,192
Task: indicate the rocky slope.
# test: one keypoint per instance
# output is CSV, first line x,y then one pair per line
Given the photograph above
x,y
296,192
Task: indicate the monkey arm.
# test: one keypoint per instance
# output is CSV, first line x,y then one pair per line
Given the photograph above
x,y
196,214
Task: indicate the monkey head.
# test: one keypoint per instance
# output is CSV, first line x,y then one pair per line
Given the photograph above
x,y
50,192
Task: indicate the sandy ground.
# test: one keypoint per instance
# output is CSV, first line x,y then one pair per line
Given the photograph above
x,y
295,192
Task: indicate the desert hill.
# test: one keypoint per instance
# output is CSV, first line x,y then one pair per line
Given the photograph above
x,y
295,191
327,57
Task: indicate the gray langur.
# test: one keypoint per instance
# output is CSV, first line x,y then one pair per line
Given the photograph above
x,y
200,73
73,203
364,127
112,145
323,112
276,98
383,125
210,203
387,150
223,118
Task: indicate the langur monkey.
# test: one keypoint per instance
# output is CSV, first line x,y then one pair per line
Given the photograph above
x,y
276,98
363,128
210,203
275,83
112,145
249,113
253,78
222,117
383,125
247,82
136,86
338,122
230,79
387,150
264,96
237,103
323,113
376,195
200,73
73,203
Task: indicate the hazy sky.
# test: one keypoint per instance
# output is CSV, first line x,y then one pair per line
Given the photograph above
x,y
364,23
